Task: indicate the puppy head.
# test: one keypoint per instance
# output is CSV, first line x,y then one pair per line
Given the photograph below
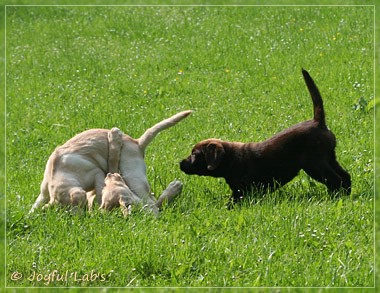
x,y
115,177
205,158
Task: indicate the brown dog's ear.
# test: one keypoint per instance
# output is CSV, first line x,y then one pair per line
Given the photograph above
x,y
213,154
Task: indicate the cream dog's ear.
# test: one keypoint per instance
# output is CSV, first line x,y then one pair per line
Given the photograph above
x,y
214,153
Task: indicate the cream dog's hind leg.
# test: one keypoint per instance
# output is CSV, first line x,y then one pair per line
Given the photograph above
x,y
115,142
43,197
173,189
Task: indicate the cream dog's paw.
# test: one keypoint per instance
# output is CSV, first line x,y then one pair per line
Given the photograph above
x,y
174,188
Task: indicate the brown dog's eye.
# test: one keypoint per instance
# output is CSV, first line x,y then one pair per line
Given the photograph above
x,y
194,155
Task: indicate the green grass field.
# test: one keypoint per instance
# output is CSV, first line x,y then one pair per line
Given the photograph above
x,y
69,69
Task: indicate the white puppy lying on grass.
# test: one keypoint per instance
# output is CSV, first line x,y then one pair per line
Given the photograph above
x,y
76,170
117,194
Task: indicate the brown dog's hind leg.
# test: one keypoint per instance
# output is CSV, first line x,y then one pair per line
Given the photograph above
x,y
327,174
344,175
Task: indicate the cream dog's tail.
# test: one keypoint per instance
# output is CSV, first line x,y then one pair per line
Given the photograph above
x,y
151,133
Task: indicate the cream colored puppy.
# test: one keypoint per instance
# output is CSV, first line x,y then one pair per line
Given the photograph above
x,y
79,166
117,194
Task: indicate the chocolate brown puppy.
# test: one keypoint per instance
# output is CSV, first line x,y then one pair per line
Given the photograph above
x,y
267,165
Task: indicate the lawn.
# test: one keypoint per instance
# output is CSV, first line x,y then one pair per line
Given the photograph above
x,y
69,69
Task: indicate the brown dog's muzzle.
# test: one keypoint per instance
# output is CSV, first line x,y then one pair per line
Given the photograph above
x,y
186,166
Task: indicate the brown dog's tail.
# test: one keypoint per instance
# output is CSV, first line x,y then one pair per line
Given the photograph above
x,y
151,133
319,112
